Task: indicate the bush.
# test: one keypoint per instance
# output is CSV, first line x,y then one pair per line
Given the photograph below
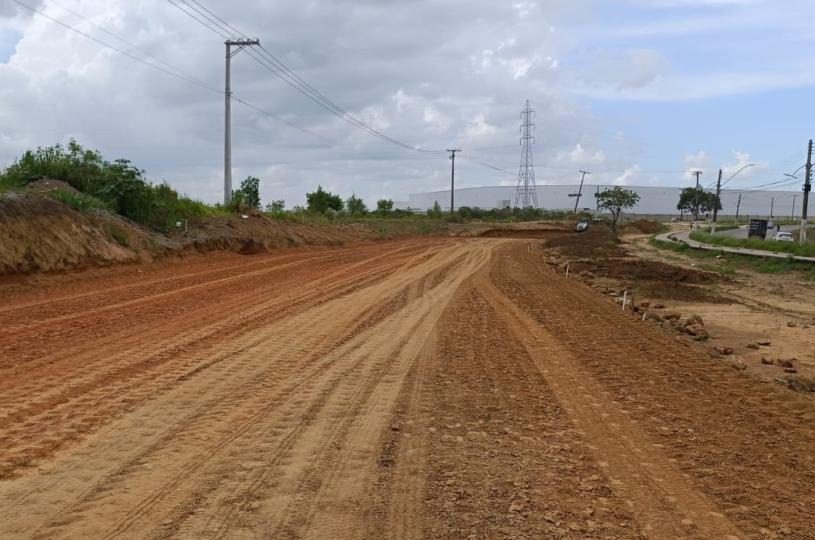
x,y
118,186
321,201
79,201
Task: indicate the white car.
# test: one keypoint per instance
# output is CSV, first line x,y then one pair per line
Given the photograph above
x,y
783,236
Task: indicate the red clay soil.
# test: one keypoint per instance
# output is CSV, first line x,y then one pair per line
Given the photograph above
x,y
406,389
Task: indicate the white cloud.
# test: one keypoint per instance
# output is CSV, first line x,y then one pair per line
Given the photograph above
x,y
580,156
616,70
627,177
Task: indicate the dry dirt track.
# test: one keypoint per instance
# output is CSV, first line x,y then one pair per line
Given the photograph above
x,y
412,389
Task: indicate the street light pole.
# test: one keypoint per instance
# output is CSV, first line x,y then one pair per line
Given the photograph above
x,y
719,185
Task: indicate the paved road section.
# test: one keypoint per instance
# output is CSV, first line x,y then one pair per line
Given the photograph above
x,y
411,389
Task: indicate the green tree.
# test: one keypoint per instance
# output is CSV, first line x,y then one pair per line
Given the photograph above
x,y
356,206
616,200
436,211
697,201
321,201
250,192
276,207
384,206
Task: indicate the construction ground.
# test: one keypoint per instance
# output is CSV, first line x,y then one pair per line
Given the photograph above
x,y
437,387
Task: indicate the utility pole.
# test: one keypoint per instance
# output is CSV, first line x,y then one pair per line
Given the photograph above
x,y
580,191
792,216
698,173
772,206
807,188
738,206
240,44
453,178
716,203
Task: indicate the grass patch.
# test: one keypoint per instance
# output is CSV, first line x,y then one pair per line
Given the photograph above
x,y
382,225
792,248
79,201
730,263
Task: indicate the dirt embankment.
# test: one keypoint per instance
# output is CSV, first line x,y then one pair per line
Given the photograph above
x,y
41,234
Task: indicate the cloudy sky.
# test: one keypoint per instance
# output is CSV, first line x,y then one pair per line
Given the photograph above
x,y
636,91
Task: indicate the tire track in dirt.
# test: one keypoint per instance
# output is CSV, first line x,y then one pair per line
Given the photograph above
x,y
247,386
86,395
665,504
746,445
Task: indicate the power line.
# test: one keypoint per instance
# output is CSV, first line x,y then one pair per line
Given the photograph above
x,y
118,50
125,41
276,67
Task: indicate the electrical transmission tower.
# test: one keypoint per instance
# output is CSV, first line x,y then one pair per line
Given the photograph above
x,y
526,194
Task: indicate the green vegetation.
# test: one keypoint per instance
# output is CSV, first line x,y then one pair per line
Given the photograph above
x,y
615,201
384,206
117,185
792,248
356,206
248,196
123,188
321,201
79,201
698,201
730,263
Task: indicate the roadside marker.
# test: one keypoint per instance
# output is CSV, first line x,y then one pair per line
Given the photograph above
x,y
625,298
567,271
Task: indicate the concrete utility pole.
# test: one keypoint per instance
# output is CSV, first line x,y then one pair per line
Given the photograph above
x,y
738,207
792,215
241,44
716,203
580,191
772,206
453,178
807,188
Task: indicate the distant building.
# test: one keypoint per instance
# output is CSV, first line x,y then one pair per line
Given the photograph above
x,y
653,200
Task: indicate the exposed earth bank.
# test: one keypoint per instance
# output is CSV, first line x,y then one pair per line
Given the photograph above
x,y
41,234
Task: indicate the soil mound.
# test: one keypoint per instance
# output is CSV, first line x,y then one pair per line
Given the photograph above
x,y
598,241
47,185
257,233
40,234
642,226
521,233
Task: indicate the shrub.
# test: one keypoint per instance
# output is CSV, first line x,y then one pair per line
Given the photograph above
x,y
321,201
79,201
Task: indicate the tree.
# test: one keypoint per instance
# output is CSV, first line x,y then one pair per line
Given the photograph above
x,y
321,201
615,201
356,206
435,212
250,192
276,207
698,201
384,206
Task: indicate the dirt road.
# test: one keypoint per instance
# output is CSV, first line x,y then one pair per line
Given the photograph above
x,y
411,389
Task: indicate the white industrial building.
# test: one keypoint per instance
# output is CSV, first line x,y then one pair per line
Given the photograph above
x,y
654,201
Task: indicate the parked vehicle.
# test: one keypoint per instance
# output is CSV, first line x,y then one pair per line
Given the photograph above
x,y
783,236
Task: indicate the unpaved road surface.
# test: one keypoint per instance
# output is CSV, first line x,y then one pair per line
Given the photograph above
x,y
411,389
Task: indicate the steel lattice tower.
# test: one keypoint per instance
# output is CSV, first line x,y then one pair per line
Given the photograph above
x,y
526,194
